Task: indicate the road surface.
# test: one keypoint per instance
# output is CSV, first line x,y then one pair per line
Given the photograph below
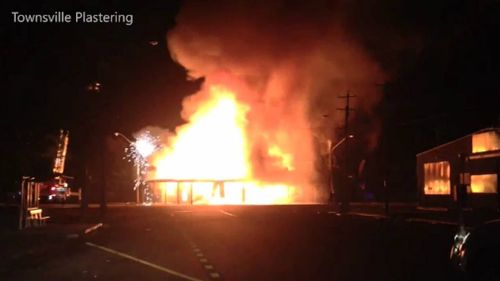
x,y
246,243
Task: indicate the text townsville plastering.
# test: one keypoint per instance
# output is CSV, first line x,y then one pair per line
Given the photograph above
x,y
76,17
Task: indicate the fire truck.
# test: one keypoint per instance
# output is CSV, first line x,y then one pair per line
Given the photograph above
x,y
57,189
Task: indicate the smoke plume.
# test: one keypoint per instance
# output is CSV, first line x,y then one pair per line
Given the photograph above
x,y
289,61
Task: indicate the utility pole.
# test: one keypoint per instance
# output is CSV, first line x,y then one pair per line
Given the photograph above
x,y
347,186
95,149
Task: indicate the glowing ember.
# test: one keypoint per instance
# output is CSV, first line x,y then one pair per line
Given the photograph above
x,y
210,158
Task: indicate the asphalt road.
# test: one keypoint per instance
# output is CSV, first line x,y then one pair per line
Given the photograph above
x,y
247,243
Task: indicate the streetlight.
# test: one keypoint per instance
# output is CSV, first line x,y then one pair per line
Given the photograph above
x,y
143,147
136,164
118,134
331,157
332,149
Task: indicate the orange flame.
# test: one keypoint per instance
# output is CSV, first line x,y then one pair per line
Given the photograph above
x,y
208,162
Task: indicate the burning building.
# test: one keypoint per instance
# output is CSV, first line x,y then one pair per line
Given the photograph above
x,y
270,73
473,160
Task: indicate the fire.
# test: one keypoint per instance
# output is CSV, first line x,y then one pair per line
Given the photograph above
x,y
286,159
212,146
208,161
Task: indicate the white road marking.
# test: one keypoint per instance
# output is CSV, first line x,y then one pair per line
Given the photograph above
x,y
367,215
227,213
359,214
92,228
214,275
155,266
203,260
199,254
434,209
385,217
430,221
209,266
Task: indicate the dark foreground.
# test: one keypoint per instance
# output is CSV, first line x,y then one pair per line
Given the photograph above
x,y
238,243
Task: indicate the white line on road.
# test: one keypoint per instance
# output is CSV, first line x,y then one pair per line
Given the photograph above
x,y
227,213
368,215
214,275
430,221
434,209
155,266
92,228
360,214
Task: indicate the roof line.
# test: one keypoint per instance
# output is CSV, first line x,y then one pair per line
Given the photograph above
x,y
455,140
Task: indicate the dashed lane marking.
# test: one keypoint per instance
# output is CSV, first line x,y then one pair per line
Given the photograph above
x,y
214,275
209,268
152,265
93,228
227,213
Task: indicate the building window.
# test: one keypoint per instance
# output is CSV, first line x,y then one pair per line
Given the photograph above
x,y
484,183
487,141
437,178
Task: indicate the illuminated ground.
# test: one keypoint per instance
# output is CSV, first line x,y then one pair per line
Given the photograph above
x,y
241,243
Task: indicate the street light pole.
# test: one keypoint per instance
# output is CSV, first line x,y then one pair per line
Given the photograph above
x,y
340,142
138,168
118,134
143,147
331,157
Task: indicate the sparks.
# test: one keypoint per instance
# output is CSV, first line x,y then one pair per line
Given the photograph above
x,y
138,152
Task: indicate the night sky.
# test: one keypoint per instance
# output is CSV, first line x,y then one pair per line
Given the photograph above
x,y
442,58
